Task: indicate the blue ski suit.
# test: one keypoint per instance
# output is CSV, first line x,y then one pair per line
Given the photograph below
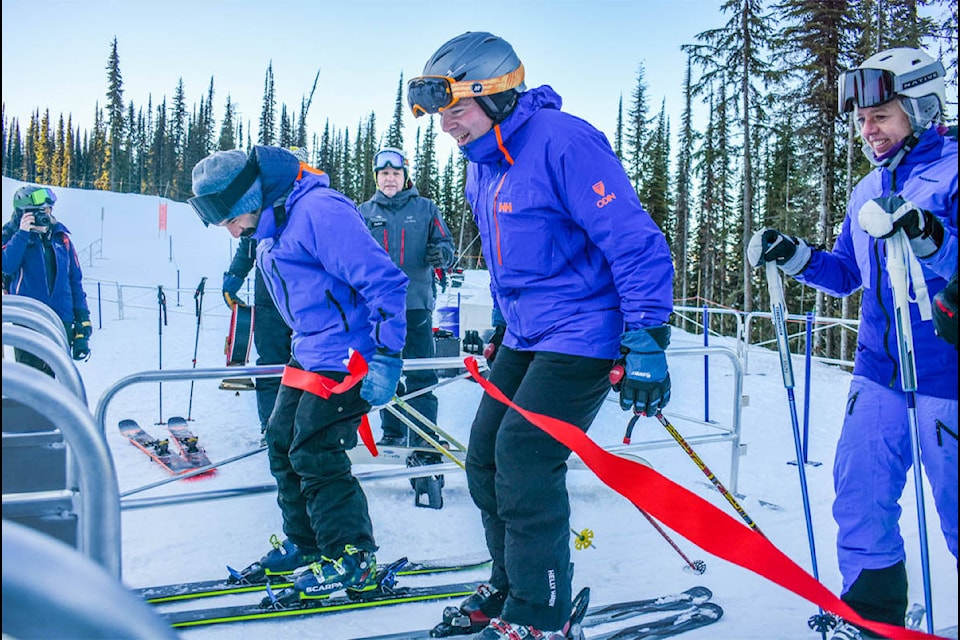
x,y
873,454
574,260
337,290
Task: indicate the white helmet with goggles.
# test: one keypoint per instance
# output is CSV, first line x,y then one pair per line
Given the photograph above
x,y
393,158
476,65
904,72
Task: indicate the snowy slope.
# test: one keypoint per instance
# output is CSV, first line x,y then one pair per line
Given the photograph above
x,y
629,559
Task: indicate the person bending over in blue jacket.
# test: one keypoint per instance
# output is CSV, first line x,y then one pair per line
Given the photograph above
x,y
341,295
897,97
580,276
40,262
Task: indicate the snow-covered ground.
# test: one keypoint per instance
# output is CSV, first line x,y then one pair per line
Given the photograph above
x,y
126,257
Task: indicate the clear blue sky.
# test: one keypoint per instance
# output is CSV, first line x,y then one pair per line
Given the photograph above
x,y
55,52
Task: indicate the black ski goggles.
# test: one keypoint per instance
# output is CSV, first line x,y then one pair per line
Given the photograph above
x,y
434,94
214,208
862,88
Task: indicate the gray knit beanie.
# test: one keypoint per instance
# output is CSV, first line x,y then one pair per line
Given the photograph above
x,y
216,171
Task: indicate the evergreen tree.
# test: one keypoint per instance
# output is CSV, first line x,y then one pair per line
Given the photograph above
x,y
395,132
427,172
268,112
733,53
115,117
680,246
637,130
227,138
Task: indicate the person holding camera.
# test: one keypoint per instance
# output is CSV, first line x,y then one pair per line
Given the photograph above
x,y
40,262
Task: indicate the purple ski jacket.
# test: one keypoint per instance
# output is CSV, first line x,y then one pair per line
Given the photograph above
x,y
335,287
574,258
927,176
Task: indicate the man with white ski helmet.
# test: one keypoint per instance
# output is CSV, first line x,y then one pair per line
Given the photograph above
x,y
898,97
580,276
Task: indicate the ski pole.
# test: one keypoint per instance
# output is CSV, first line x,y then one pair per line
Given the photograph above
x,y
198,305
778,308
706,471
616,377
161,320
899,255
697,566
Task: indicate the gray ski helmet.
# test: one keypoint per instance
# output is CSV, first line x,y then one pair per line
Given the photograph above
x,y
32,198
478,55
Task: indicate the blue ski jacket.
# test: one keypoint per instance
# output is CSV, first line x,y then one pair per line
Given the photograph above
x,y
334,286
574,258
927,176
27,270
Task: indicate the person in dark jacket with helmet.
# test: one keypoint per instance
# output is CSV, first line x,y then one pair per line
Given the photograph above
x,y
40,262
410,228
897,97
344,300
581,276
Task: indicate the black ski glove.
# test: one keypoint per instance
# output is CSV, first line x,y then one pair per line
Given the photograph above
x,y
945,311
769,245
882,217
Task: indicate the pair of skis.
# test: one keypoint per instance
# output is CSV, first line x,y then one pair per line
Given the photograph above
x,y
183,456
689,609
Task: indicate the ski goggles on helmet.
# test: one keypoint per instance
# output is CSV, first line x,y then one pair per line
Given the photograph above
x,y
434,94
39,199
863,88
214,208
389,158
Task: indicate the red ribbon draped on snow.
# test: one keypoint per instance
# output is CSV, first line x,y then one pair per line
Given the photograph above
x,y
691,516
325,387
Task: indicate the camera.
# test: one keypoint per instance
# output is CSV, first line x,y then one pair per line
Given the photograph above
x,y
41,219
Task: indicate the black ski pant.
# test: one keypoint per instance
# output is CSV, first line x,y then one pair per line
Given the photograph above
x,y
322,503
272,337
419,344
517,473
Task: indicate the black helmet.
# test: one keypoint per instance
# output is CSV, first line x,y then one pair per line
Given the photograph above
x,y
474,57
33,198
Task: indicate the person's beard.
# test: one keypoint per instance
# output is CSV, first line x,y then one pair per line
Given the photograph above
x,y
246,233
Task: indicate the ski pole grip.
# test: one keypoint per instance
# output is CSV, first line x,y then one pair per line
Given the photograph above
x,y
616,375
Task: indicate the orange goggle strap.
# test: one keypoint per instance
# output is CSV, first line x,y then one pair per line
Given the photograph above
x,y
325,387
474,88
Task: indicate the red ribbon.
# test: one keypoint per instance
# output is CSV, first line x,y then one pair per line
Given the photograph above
x,y
325,387
691,516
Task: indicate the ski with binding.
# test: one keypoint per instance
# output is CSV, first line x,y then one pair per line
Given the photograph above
x,y
158,450
231,585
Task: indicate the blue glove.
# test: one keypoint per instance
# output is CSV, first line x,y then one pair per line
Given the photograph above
x,y
645,387
380,383
882,217
769,245
231,285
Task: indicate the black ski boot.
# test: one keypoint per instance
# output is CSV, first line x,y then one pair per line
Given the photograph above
x,y
429,486
473,614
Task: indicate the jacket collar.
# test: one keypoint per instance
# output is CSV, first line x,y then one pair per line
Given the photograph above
x,y
486,149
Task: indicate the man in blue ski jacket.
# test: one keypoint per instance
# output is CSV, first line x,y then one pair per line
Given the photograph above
x,y
581,276
897,97
344,299
40,262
